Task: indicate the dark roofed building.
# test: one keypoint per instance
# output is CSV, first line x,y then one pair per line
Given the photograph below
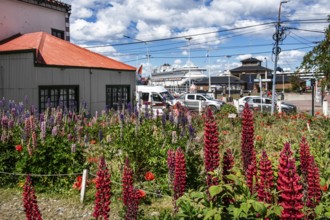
x,y
249,71
220,84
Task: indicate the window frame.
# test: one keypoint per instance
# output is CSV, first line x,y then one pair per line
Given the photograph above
x,y
55,33
109,98
57,95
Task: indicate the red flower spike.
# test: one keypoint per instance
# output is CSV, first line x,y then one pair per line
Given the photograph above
x,y
149,176
314,189
247,139
211,148
291,192
304,157
103,192
251,174
30,201
227,165
127,182
285,155
179,174
265,179
132,207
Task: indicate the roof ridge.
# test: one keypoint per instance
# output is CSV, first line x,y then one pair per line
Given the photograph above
x,y
40,48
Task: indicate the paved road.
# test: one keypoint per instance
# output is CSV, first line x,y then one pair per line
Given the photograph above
x,y
304,102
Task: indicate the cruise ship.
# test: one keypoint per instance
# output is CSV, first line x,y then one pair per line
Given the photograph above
x,y
167,75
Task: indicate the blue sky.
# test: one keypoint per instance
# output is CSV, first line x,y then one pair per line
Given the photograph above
x,y
228,31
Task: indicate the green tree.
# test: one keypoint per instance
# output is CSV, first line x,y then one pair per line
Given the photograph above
x,y
318,59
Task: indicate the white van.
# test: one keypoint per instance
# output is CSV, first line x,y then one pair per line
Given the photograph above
x,y
158,96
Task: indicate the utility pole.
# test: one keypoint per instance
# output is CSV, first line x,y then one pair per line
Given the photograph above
x,y
189,38
278,36
209,70
148,55
228,77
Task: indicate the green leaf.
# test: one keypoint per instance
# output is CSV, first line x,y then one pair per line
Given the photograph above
x,y
215,190
245,207
319,209
210,214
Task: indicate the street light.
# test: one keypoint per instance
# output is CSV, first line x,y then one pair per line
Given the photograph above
x,y
148,55
277,37
189,38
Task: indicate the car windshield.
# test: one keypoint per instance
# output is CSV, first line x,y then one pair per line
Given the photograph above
x,y
167,95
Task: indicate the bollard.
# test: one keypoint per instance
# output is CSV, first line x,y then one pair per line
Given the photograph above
x,y
279,107
83,185
325,108
236,104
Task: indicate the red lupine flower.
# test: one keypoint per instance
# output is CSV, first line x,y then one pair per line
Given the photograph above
x,y
127,182
265,179
291,192
227,165
149,176
324,188
132,207
247,146
77,184
285,155
304,156
179,174
251,174
103,192
314,190
211,148
141,193
30,201
19,148
171,165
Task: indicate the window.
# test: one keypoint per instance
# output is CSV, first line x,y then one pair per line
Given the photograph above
x,y
58,33
145,96
156,97
191,97
201,98
116,95
63,96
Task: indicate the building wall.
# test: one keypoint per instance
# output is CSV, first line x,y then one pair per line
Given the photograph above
x,y
20,17
20,78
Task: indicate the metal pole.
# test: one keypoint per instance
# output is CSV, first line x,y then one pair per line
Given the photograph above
x,y
209,71
228,77
266,76
313,87
189,38
277,51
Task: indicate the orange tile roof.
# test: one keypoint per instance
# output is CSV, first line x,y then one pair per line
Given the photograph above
x,y
54,51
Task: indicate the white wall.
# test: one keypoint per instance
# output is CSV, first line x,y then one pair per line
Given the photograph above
x,y
20,17
21,78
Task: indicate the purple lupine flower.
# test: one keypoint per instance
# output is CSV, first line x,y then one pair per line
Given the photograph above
x,y
41,117
136,112
129,108
43,130
54,131
73,148
13,111
70,137
4,122
27,128
171,118
164,119
146,114
11,124
192,132
121,116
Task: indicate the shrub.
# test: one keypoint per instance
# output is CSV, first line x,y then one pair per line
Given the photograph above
x,y
228,109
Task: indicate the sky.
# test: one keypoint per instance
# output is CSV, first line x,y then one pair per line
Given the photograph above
x,y
215,35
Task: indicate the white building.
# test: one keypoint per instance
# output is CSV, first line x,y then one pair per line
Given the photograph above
x,y
49,70
28,16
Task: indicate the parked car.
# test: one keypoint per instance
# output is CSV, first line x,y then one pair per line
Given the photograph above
x,y
192,100
241,102
256,103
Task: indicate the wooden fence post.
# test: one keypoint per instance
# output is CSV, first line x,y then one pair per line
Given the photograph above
x,y
83,185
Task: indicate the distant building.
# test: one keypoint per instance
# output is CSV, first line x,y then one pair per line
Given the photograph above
x,y
52,71
249,71
28,16
221,84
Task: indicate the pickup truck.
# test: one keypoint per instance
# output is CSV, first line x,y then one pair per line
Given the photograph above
x,y
192,100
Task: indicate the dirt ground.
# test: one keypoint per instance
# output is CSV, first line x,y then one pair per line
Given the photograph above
x,y
51,207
